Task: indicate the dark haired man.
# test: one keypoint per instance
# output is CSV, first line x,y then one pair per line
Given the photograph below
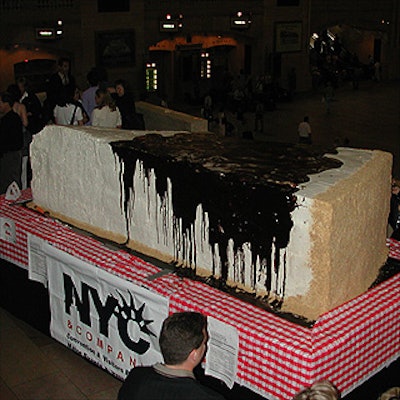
x,y
183,341
58,82
11,143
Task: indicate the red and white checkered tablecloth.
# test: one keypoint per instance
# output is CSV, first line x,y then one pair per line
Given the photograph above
x,y
347,345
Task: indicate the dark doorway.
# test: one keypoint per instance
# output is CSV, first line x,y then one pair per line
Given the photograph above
x,y
36,72
188,79
276,65
377,49
247,59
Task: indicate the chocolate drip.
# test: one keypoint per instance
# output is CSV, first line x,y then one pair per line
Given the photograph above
x,y
247,188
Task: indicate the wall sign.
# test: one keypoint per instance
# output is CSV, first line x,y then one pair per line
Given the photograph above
x,y
288,36
115,48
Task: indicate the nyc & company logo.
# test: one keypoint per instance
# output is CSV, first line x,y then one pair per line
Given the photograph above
x,y
130,319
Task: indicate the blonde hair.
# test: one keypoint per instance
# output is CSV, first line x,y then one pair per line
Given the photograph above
x,y
107,99
391,394
320,390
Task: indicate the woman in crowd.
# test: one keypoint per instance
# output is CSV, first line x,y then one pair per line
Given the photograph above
x,y
66,111
78,102
18,107
126,105
106,114
33,106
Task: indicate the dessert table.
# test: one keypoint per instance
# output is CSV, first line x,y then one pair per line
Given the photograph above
x,y
276,357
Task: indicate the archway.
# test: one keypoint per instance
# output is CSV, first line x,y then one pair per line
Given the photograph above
x,y
191,66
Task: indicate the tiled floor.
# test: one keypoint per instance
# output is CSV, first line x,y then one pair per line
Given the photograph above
x,y
368,118
35,367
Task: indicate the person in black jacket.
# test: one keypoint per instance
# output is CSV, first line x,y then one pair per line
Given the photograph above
x,y
60,81
126,105
11,143
394,215
183,341
33,107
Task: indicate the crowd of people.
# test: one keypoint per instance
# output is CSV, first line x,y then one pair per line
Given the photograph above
x,y
102,104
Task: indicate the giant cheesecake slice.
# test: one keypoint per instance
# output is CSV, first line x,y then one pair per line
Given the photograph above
x,y
298,227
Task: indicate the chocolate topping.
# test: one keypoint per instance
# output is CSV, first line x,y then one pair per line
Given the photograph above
x,y
246,187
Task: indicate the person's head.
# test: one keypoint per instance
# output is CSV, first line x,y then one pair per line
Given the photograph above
x,y
391,394
22,84
395,187
99,96
306,119
120,87
320,390
77,94
65,95
14,91
6,102
93,77
64,65
183,336
104,98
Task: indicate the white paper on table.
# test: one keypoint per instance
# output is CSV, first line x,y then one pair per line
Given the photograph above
x,y
222,353
37,265
13,191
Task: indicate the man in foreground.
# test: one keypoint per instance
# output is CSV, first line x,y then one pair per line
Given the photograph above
x,y
183,341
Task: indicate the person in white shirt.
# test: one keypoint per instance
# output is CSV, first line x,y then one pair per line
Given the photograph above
x,y
106,114
304,131
66,112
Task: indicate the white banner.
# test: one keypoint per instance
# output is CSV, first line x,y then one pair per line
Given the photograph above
x,y
104,318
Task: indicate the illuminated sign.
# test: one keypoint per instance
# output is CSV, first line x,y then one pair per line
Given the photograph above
x,y
205,66
49,33
171,24
241,21
45,33
151,77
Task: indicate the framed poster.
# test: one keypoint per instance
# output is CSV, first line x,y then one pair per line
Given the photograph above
x,y
115,48
288,36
